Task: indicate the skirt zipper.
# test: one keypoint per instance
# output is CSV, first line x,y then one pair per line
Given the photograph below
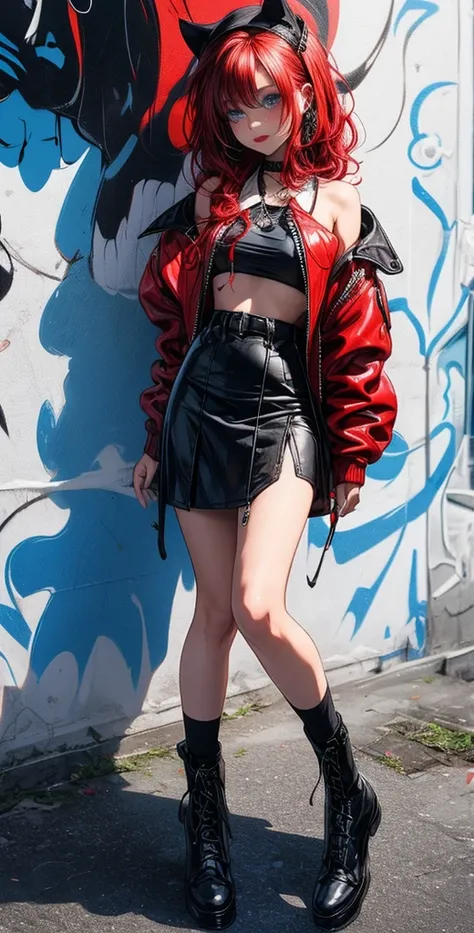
x,y
269,342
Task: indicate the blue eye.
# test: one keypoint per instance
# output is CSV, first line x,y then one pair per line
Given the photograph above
x,y
271,100
235,115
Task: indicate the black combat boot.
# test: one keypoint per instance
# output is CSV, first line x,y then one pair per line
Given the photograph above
x,y
352,816
210,892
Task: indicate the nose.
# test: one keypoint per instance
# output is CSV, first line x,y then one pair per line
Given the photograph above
x,y
255,124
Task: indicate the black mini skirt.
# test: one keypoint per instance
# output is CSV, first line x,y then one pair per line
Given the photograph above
x,y
241,398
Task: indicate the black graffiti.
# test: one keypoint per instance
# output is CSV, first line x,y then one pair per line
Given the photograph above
x,y
6,279
3,423
6,268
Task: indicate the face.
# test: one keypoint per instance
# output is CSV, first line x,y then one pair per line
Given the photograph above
x,y
262,127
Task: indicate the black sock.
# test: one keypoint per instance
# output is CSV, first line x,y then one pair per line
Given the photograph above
x,y
202,738
321,721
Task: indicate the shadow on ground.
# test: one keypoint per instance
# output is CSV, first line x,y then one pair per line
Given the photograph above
x,y
118,854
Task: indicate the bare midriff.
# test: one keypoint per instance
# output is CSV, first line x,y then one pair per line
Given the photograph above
x,y
260,296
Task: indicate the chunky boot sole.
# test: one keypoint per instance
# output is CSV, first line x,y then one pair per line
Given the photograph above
x,y
344,919
214,921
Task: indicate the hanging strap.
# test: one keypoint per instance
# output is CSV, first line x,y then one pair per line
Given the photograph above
x,y
334,517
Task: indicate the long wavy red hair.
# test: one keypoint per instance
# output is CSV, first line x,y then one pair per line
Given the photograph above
x,y
226,72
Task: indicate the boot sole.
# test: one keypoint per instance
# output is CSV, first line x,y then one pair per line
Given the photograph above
x,y
333,924
215,921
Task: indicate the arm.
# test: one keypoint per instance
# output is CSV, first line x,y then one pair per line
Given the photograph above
x,y
164,310
358,398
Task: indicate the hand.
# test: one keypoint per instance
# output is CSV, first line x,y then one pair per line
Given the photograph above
x,y
347,498
143,474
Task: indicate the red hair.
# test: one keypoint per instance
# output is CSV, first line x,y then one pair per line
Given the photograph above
x,y
226,73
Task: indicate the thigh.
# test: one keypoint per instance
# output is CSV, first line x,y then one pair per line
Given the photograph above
x,y
266,546
211,539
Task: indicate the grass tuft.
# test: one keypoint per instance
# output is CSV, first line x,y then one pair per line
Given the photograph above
x,y
391,761
441,738
243,711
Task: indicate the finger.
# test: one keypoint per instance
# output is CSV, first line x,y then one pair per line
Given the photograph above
x,y
150,472
352,503
344,509
137,486
354,497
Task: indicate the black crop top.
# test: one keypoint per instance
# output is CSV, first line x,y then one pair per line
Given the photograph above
x,y
270,254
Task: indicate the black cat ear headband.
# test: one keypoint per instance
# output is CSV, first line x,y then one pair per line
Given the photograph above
x,y
273,16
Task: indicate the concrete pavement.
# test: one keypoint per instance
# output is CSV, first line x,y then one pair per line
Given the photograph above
x,y
108,856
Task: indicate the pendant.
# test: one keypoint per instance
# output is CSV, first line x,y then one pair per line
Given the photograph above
x,y
263,220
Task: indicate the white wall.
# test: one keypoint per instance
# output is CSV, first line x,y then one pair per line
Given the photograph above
x,y
85,603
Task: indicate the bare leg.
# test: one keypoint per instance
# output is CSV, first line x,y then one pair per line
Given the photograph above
x,y
211,538
265,552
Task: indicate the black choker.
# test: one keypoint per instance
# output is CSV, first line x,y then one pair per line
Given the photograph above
x,y
270,166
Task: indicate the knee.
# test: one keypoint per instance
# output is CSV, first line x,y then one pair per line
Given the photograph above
x,y
254,615
216,623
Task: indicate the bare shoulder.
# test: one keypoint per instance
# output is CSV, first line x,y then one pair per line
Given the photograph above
x,y
344,196
345,206
203,198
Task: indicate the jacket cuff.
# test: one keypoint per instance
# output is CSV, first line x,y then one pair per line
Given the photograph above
x,y
348,471
152,445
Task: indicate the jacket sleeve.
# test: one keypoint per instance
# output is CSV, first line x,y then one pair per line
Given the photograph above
x,y
165,311
359,401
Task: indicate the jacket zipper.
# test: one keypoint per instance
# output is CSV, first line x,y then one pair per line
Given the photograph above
x,y
205,284
302,258
356,277
382,306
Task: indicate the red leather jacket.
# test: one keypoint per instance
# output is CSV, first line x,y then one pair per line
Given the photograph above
x,y
348,327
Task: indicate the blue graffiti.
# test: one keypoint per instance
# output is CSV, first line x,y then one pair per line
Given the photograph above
x,y
430,202
453,358
364,596
401,305
356,541
51,52
418,136
417,608
437,339
456,367
417,616
426,7
102,570
35,141
392,463
9,58
10,670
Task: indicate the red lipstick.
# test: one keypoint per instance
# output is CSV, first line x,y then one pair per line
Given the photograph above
x,y
260,139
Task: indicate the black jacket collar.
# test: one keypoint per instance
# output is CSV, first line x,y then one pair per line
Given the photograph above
x,y
373,245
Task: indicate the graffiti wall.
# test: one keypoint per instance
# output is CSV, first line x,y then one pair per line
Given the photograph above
x,y
91,621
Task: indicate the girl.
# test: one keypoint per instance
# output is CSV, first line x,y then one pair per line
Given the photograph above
x,y
270,392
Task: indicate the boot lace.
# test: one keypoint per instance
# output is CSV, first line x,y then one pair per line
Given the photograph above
x,y
340,817
206,800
